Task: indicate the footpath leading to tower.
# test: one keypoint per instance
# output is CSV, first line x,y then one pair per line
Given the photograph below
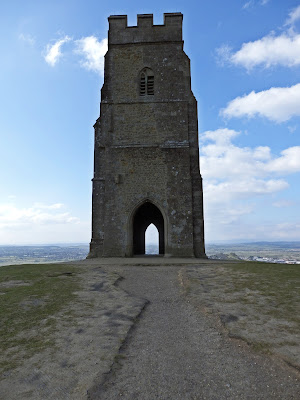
x,y
176,352
134,333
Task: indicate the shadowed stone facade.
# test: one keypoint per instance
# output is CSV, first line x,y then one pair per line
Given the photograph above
x,y
146,166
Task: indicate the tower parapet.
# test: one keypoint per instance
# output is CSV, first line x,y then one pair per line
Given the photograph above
x,y
120,33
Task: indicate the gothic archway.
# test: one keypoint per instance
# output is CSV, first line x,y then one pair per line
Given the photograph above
x,y
145,215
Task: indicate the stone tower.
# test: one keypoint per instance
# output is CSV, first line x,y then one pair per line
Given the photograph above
x,y
146,144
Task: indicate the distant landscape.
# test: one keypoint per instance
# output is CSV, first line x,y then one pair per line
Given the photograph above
x,y
274,252
12,255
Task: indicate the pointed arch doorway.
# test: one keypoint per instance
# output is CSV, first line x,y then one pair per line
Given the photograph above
x,y
145,215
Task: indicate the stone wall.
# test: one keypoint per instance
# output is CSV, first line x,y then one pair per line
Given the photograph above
x,y
146,147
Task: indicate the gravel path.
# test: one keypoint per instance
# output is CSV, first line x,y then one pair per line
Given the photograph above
x,y
176,352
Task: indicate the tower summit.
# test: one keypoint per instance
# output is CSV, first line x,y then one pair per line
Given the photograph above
x,y
146,166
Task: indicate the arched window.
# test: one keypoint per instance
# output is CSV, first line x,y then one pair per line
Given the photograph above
x,y
146,82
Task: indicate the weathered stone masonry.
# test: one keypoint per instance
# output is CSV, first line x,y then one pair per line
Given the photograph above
x,y
146,166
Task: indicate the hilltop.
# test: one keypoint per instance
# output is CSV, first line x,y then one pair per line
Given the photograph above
x,y
150,328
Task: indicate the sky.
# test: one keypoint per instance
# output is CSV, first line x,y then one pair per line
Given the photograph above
x,y
245,64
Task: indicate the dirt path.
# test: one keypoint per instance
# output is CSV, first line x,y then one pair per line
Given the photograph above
x,y
176,352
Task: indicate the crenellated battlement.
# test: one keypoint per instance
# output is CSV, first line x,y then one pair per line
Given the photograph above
x,y
120,33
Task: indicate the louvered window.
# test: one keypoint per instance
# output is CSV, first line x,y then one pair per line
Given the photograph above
x,y
146,82
150,85
143,84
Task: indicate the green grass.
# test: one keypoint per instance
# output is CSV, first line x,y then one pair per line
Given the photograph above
x,y
27,313
279,284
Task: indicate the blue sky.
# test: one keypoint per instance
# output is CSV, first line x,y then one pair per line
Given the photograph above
x,y
245,60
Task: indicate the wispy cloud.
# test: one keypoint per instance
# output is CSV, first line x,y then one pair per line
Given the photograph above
x,y
283,203
245,229
292,128
53,51
93,53
294,16
278,104
224,54
15,217
55,206
248,4
27,38
252,3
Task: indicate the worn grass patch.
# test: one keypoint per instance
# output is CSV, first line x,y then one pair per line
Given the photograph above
x,y
255,301
278,284
30,297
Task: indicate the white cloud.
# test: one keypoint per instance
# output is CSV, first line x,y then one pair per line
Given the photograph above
x,y
27,38
269,51
289,161
222,160
236,177
90,49
13,217
93,52
278,104
239,189
53,51
41,224
294,16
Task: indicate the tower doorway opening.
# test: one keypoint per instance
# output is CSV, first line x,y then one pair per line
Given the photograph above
x,y
146,215
151,240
